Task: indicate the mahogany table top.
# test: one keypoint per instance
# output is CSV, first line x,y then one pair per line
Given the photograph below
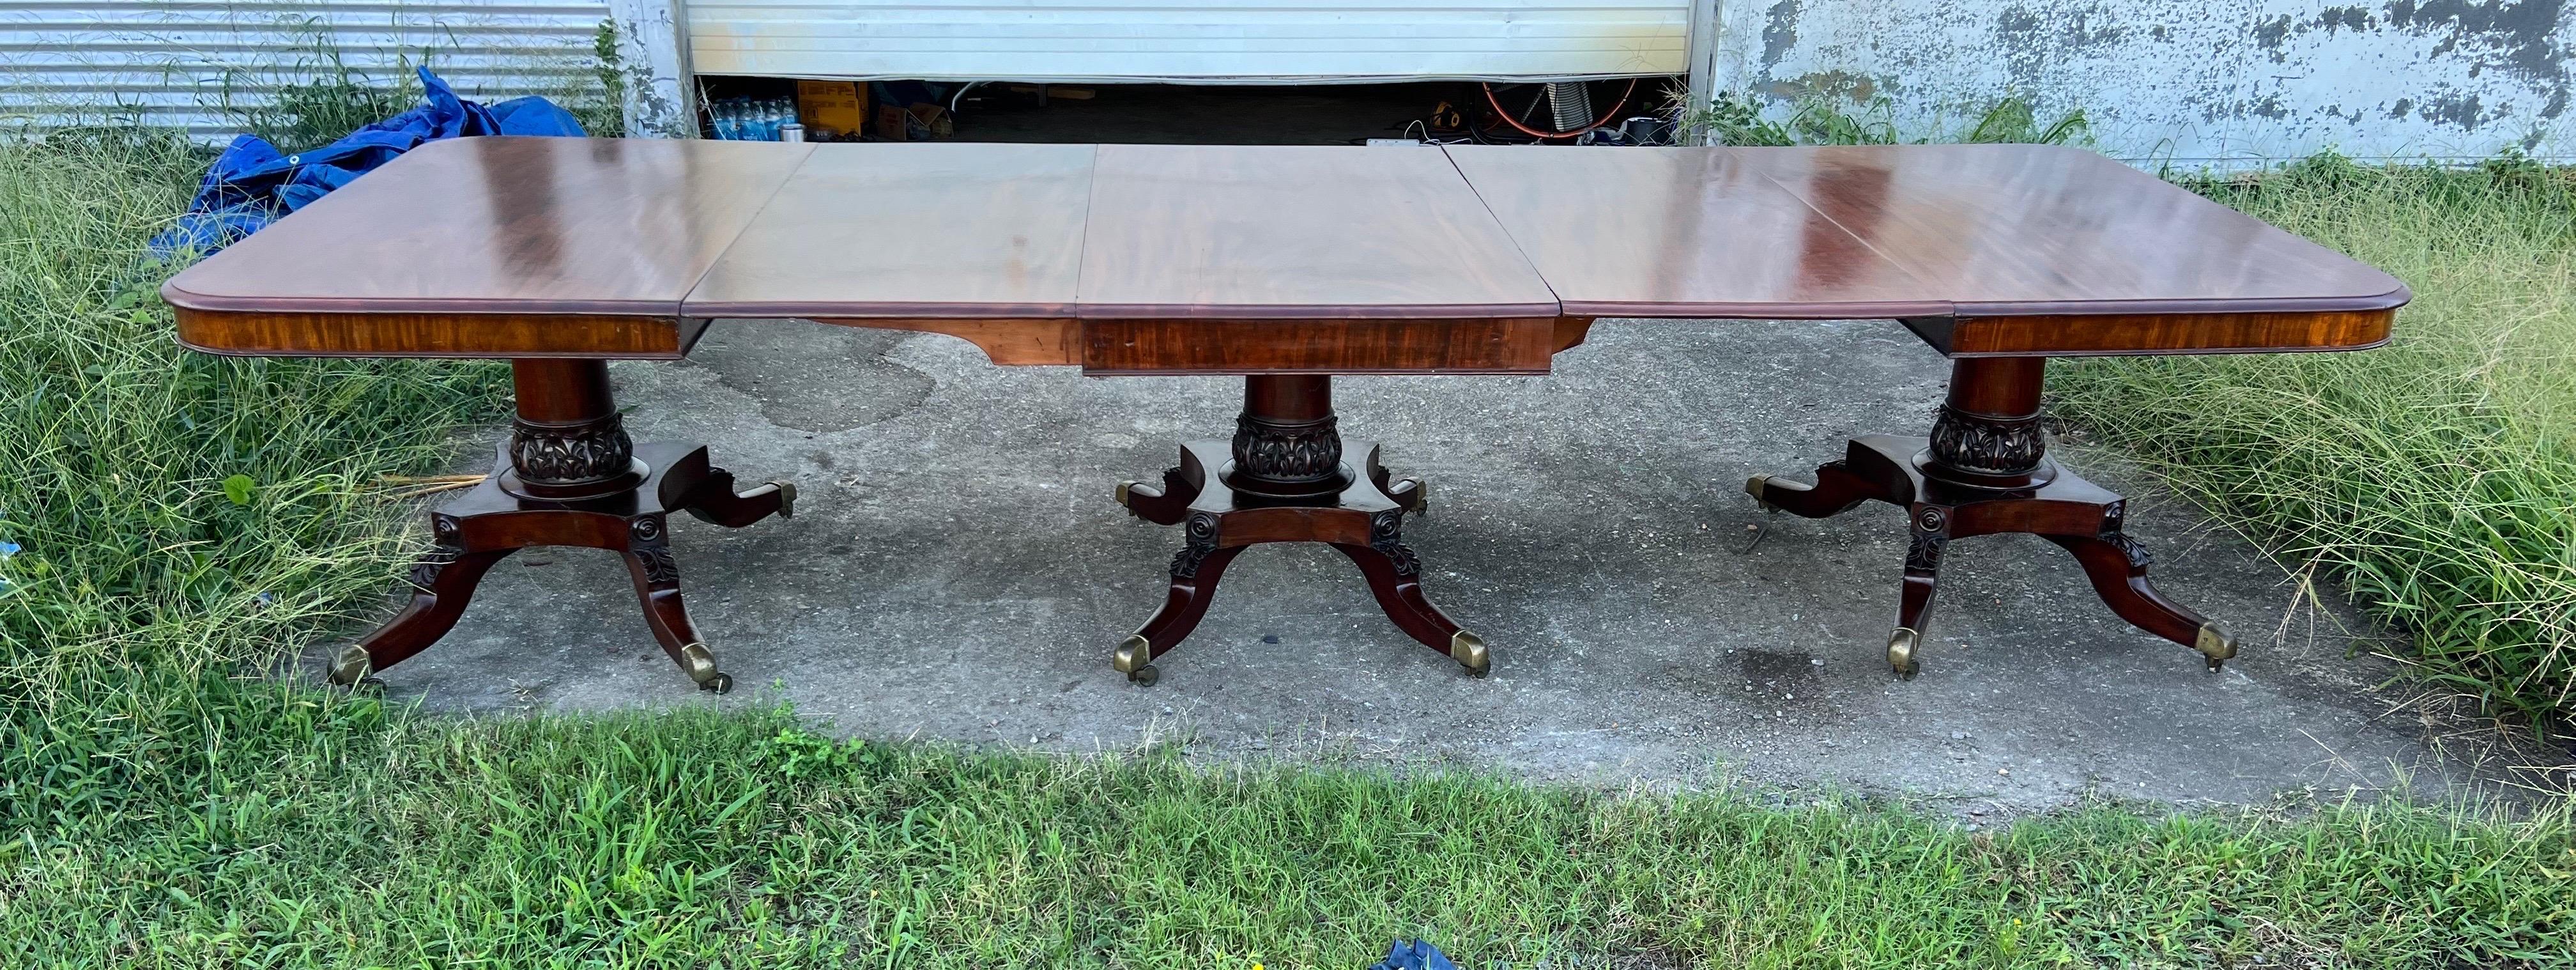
x,y
608,247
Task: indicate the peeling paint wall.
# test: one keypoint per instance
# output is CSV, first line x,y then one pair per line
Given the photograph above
x,y
2196,82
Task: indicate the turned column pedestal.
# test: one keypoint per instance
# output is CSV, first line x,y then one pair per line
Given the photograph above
x,y
1286,477
1985,470
570,476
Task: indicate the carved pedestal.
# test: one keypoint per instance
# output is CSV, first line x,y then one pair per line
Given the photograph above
x,y
569,476
1284,478
1985,470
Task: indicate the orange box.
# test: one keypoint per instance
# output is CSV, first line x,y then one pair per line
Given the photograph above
x,y
841,106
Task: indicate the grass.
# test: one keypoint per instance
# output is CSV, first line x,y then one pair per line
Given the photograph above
x,y
118,443
2433,480
1740,119
185,520
246,823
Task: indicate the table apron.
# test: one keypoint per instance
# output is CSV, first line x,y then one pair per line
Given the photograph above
x,y
588,336
2151,334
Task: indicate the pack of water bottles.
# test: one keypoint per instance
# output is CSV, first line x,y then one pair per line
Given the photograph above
x,y
753,119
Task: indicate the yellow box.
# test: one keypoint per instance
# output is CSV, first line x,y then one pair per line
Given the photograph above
x,y
841,106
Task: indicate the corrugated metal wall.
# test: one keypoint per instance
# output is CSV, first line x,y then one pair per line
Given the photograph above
x,y
1188,40
180,63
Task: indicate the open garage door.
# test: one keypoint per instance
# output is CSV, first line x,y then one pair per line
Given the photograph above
x,y
1228,41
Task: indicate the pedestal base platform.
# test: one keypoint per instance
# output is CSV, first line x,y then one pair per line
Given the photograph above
x,y
490,522
1364,521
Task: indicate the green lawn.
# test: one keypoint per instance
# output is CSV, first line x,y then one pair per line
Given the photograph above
x,y
163,806
2433,480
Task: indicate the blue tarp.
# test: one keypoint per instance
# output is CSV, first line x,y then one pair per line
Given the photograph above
x,y
1414,955
253,184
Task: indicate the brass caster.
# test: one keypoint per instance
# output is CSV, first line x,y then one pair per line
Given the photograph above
x,y
351,667
1469,651
1121,493
1753,487
786,501
1135,658
1900,653
1421,496
700,663
2214,645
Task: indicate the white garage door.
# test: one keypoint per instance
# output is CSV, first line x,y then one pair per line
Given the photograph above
x,y
1249,41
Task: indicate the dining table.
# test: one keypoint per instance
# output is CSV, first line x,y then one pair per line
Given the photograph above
x,y
1286,266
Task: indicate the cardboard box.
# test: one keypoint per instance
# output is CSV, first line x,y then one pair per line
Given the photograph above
x,y
892,122
934,121
841,106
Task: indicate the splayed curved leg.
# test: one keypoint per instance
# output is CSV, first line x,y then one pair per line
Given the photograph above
x,y
1395,578
657,587
1837,490
1194,574
442,584
2117,567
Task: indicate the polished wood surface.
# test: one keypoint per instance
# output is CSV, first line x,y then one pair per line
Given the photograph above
x,y
912,230
521,247
1684,232
2039,230
359,334
497,225
1267,232
2195,333
2098,257
1522,346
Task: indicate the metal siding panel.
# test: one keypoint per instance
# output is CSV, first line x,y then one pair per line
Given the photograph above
x,y
1246,40
176,63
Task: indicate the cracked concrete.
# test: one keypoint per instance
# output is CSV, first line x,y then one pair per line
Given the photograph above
x,y
957,570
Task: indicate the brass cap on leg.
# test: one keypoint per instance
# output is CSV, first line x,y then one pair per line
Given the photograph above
x,y
1135,658
700,663
786,499
2214,644
350,666
1469,651
1900,652
1121,493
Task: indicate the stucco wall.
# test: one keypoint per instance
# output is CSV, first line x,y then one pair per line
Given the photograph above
x,y
2223,83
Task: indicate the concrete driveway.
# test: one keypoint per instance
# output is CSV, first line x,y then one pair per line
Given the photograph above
x,y
958,571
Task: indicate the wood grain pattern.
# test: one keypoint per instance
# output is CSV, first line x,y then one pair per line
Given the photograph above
x,y
1682,232
2092,336
2036,230
497,225
436,335
1260,232
500,247
1009,343
912,230
1512,346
